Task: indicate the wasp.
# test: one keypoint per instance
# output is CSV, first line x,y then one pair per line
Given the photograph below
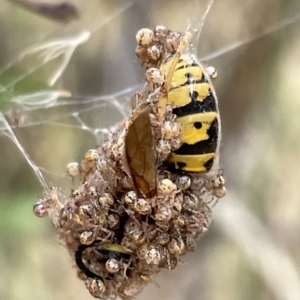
x,y
187,87
194,103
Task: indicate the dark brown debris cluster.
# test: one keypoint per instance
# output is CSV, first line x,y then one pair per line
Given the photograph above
x,y
130,216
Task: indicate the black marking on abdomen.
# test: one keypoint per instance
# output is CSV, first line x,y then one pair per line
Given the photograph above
x,y
203,147
198,125
208,165
195,106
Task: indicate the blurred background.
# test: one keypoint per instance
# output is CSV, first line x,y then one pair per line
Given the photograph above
x,y
252,249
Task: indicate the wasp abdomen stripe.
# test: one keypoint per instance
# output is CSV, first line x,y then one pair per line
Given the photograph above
x,y
192,163
196,126
188,74
204,146
198,157
206,105
183,95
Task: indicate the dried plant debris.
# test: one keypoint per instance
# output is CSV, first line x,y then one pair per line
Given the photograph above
x,y
146,194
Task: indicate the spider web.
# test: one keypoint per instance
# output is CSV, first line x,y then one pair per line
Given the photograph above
x,y
51,104
62,88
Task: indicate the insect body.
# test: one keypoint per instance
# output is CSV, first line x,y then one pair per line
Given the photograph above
x,y
195,104
107,251
186,85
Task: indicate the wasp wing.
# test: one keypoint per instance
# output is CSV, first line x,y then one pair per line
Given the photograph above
x,y
139,148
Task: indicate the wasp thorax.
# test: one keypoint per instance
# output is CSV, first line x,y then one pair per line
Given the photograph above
x,y
86,237
112,265
171,130
40,210
166,187
73,169
106,200
142,206
91,157
154,255
154,75
183,182
130,198
144,36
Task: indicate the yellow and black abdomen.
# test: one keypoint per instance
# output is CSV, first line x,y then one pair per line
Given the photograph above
x,y
195,105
